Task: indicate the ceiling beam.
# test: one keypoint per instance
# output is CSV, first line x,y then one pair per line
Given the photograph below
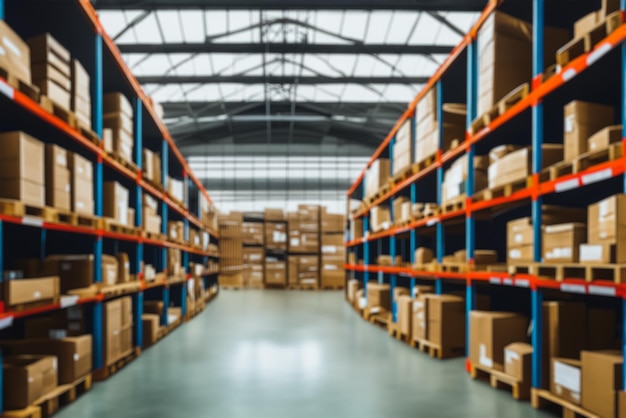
x,y
424,5
280,48
245,79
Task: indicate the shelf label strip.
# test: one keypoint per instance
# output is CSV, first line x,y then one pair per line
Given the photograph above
x,y
607,173
67,301
574,288
566,185
602,290
7,90
522,283
6,322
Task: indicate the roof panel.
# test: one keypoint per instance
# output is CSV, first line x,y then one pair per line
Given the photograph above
x,y
170,25
193,26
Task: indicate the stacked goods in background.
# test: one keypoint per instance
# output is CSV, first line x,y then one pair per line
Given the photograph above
x,y
153,319
82,193
505,56
401,210
118,329
455,178
304,246
16,58
151,218
176,190
275,231
231,250
81,95
51,70
196,292
380,218
116,204
21,169
377,176
430,130
403,149
119,118
152,168
58,181
511,164
254,249
333,258
439,321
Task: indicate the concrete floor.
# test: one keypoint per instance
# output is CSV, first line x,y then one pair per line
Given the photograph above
x,y
290,354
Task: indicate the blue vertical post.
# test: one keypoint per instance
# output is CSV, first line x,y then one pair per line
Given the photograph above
x,y
43,234
183,297
537,141
413,233
623,7
97,101
97,86
139,133
366,254
139,259
166,304
393,278
164,209
97,329
1,18
138,313
440,230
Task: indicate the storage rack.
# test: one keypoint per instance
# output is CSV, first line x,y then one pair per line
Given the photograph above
x,y
583,78
75,24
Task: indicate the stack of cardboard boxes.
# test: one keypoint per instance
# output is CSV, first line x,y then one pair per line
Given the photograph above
x,y
581,121
304,246
377,176
58,185
16,57
231,250
175,269
152,170
276,247
51,69
403,149
151,218
254,250
81,171
119,118
81,94
440,321
176,189
333,250
176,231
455,178
21,169
606,234
116,203
118,329
510,164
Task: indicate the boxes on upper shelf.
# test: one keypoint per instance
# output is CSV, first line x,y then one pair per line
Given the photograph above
x,y
118,116
152,166
25,291
403,148
582,120
58,186
605,138
22,168
455,178
561,242
81,171
116,202
16,59
81,94
377,176
176,231
356,228
517,165
151,219
380,218
607,232
55,82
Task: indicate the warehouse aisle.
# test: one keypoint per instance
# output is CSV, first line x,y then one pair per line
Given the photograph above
x,y
286,354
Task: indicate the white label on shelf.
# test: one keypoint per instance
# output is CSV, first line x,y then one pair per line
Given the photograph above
x,y
31,221
6,322
607,173
432,222
495,280
508,282
566,185
598,53
522,283
7,90
567,376
573,288
67,301
602,290
569,74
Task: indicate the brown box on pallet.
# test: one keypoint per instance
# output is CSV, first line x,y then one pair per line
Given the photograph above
x,y
22,291
445,320
424,255
607,225
22,168
403,149
353,288
309,214
378,296
481,257
253,233
332,279
16,59
356,228
112,331
332,223
584,25
26,378
116,202
517,165
109,270
428,145
54,92
152,223
275,271
123,271
58,189
292,272
581,121
561,243
46,71
148,164
117,102
75,271
601,379
176,230
404,305
81,83
377,176
427,106
60,324
45,49
73,354
566,379
490,332
560,340
81,171
455,177
517,361
153,307
253,255
605,138
274,215
151,324
119,122
276,235
380,218
308,268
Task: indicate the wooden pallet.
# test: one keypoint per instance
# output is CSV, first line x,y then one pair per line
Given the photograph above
x,y
112,225
452,205
514,97
556,171
381,319
502,191
30,412
87,132
460,267
615,273
549,73
111,291
108,371
602,30
425,163
20,209
436,351
500,380
59,111
394,331
592,158
521,268
332,287
153,236
541,398
88,221
570,51
483,121
399,178
29,90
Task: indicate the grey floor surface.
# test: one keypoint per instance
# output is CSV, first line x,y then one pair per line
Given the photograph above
x,y
290,354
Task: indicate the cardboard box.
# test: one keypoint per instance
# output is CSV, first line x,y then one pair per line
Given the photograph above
x,y
274,214
378,296
601,379
58,188
22,168
82,193
112,331
517,165
427,106
607,225
490,332
109,270
275,271
70,322
116,202
380,218
424,255
176,230
561,243
73,354
155,307
378,175
253,233
585,24
75,271
151,324
356,228
26,378
117,102
605,138
404,305
481,257
517,361
352,288
276,235
45,71
253,255
445,320
123,271
152,223
45,45
81,82
602,253
23,291
55,93
582,120
566,379
119,122
16,58
332,223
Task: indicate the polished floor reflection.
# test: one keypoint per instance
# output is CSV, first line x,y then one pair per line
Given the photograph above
x,y
290,354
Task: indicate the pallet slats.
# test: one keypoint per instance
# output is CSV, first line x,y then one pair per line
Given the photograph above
x,y
500,380
540,398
